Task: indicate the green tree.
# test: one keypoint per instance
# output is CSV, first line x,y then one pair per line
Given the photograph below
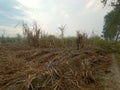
x,y
113,2
111,29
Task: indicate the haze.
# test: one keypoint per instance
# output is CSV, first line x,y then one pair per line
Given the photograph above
x,y
84,15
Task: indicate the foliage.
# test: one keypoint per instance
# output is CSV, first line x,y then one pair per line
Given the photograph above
x,y
95,40
104,45
54,42
18,40
113,2
110,47
111,29
51,41
118,58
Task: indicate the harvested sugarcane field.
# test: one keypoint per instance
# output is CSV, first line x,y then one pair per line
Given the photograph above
x,y
29,68
51,68
60,45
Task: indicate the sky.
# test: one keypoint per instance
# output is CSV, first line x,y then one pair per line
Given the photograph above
x,y
87,16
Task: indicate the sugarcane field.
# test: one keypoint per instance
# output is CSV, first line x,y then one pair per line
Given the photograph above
x,y
60,45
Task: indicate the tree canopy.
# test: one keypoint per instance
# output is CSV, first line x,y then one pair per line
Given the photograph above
x,y
111,29
113,2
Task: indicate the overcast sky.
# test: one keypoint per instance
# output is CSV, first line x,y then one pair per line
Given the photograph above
x,y
83,15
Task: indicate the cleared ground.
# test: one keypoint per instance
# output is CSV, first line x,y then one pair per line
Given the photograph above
x,y
25,68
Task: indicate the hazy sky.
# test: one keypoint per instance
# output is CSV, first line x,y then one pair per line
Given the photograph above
x,y
83,15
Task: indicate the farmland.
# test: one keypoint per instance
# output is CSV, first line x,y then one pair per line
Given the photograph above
x,y
44,62
71,45
26,68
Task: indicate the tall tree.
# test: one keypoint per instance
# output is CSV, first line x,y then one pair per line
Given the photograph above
x,y
111,29
111,26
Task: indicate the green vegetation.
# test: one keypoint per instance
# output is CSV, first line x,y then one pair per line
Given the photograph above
x,y
66,42
18,40
113,2
118,57
111,30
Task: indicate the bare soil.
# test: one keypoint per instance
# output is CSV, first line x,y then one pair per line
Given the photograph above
x,y
110,76
111,80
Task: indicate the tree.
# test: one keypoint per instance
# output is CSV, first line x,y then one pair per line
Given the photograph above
x,y
111,27
111,30
113,2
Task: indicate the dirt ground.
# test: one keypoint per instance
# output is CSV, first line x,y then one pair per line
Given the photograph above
x,y
112,80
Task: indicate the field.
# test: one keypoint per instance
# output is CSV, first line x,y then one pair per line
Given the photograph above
x,y
75,47
28,68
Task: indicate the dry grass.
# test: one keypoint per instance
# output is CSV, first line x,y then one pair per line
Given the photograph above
x,y
49,69
33,34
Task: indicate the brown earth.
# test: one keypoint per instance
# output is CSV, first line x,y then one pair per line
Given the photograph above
x,y
112,80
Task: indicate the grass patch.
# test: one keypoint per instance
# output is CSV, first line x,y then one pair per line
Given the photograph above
x,y
118,58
